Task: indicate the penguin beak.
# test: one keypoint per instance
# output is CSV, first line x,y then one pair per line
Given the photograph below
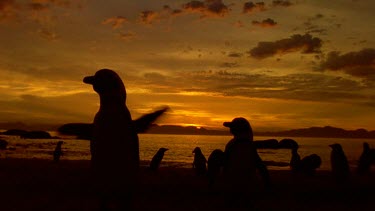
x,y
89,80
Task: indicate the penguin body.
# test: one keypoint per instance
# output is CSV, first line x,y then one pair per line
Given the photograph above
x,y
58,151
309,164
199,163
214,164
366,159
339,163
295,161
156,160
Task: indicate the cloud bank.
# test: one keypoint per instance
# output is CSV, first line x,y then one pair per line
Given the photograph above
x,y
304,43
357,63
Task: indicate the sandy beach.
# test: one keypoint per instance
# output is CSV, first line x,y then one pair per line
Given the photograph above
x,y
35,184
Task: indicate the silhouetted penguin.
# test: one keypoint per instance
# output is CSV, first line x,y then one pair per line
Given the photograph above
x,y
295,160
214,164
339,163
58,152
199,163
156,160
309,164
366,159
114,141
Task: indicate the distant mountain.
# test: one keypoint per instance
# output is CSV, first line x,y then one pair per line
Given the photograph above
x,y
324,132
190,130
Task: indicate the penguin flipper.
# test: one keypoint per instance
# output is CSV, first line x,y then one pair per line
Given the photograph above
x,y
144,122
81,130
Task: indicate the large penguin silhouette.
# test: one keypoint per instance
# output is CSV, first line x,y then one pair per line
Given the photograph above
x,y
114,141
339,163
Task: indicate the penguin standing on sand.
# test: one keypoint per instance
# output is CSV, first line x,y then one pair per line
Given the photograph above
x,y
339,163
214,164
114,141
295,160
156,160
199,163
58,151
366,159
309,164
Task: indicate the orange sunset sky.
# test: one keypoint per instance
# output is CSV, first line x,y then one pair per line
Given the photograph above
x,y
281,64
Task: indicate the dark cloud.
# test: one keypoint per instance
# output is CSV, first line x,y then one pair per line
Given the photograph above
x,y
250,7
265,23
359,63
234,54
8,9
229,65
148,16
319,31
281,3
304,43
208,8
38,7
173,12
115,22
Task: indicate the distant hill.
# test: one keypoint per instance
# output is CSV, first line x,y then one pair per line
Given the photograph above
x,y
190,130
324,132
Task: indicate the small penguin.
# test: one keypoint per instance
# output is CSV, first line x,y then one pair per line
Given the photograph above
x,y
309,164
339,163
199,163
295,161
156,160
214,164
365,159
58,151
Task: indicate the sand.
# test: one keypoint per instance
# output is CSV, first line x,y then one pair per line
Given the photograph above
x,y
34,184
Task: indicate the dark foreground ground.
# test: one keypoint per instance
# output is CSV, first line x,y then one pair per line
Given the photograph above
x,y
43,185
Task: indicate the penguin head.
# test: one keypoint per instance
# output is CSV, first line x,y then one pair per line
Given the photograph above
x,y
163,149
336,147
107,82
239,126
197,150
366,146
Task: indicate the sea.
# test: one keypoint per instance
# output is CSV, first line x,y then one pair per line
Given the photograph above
x,y
181,147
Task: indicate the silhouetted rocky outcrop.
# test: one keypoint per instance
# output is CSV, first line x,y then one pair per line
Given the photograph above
x,y
267,144
28,134
324,132
288,144
274,144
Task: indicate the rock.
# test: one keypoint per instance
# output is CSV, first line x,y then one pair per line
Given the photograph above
x,y
266,144
15,132
36,135
288,144
3,144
